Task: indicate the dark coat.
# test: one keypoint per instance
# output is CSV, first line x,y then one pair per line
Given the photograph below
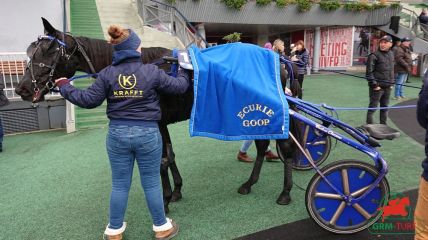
x,y
380,69
422,116
303,61
403,60
130,87
423,18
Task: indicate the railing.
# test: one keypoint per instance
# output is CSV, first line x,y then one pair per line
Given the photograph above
x,y
167,18
423,31
12,69
410,19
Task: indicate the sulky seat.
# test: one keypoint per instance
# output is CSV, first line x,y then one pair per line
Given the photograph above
x,y
381,131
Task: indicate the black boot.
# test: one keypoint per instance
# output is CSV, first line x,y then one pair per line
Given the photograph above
x,y
1,147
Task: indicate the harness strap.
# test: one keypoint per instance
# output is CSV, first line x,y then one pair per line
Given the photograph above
x,y
85,56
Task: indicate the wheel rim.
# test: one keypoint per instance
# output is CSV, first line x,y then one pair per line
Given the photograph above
x,y
317,145
331,212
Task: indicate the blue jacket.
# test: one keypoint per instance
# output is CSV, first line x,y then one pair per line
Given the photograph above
x,y
303,61
422,115
130,87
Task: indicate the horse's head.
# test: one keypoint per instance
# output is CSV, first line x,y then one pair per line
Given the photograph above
x,y
50,58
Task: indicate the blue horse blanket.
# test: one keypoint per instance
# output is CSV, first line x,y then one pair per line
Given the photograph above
x,y
238,93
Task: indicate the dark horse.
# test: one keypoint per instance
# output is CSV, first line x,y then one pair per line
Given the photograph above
x,y
61,55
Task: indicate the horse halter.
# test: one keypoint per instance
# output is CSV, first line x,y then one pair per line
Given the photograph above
x,y
61,52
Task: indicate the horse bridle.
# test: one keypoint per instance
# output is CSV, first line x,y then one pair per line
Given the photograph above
x,y
61,52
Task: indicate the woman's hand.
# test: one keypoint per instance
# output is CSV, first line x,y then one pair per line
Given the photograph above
x,y
294,58
61,82
287,91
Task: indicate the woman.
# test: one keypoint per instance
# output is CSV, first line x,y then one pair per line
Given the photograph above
x,y
289,71
301,58
278,46
130,88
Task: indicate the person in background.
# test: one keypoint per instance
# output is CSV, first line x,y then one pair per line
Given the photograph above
x,y
380,77
301,58
268,45
278,46
421,211
133,133
364,43
396,46
292,50
244,157
270,156
3,102
403,67
423,20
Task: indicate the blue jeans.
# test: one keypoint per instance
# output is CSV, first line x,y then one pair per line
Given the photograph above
x,y
247,144
401,77
125,144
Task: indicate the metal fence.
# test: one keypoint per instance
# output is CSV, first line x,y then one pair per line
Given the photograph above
x,y
410,19
12,69
167,19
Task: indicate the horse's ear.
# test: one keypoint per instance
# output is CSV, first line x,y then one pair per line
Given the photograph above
x,y
31,49
49,29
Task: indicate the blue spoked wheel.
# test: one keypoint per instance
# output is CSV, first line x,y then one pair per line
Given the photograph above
x,y
316,143
327,208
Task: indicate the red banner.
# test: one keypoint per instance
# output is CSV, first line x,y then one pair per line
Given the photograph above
x,y
335,46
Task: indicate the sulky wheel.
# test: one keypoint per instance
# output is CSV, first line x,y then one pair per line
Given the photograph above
x,y
317,144
327,208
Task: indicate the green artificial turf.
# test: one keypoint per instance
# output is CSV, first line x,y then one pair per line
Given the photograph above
x,y
56,186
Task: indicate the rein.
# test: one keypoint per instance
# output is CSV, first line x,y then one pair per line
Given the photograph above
x,y
61,52
378,80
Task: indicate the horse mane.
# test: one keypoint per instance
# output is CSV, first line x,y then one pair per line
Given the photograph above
x,y
99,51
148,55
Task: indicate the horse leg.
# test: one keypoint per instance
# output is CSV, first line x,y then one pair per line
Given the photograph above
x,y
261,146
178,181
170,155
286,147
166,185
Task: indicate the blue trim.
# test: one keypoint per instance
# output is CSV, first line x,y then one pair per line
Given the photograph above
x,y
83,76
174,66
357,109
53,39
195,89
240,137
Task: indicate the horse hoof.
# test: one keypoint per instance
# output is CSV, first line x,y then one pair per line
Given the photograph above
x,y
283,200
244,191
176,196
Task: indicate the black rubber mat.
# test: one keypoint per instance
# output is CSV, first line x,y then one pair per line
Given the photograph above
x,y
405,120
307,229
